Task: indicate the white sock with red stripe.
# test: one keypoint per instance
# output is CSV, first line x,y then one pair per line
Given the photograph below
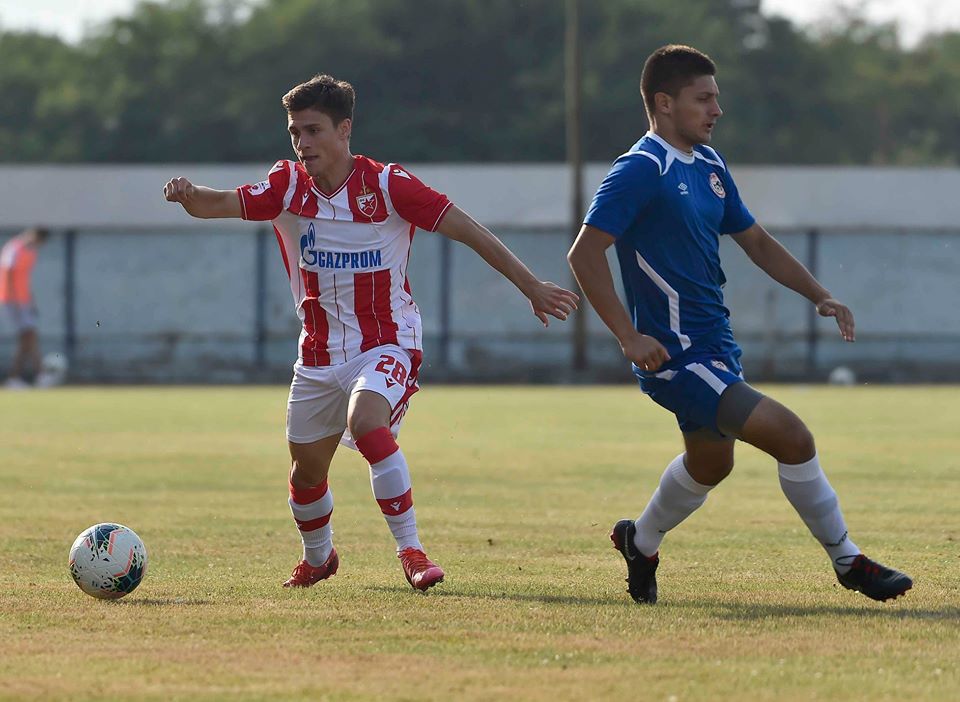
x,y
390,480
312,507
676,498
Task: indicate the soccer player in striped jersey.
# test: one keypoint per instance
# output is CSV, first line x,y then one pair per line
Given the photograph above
x,y
344,224
664,205
17,259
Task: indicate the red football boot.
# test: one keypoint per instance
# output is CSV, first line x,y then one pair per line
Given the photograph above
x,y
421,572
305,575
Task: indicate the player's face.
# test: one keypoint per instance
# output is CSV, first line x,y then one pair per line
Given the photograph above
x,y
695,110
316,141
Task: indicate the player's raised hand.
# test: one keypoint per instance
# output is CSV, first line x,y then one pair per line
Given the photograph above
x,y
551,299
645,351
834,308
179,190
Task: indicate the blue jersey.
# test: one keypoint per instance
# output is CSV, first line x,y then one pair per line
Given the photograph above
x,y
667,211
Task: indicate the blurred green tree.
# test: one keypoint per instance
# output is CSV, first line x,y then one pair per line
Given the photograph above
x,y
468,80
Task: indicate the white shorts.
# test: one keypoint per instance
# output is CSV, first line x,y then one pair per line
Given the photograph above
x,y
319,396
23,317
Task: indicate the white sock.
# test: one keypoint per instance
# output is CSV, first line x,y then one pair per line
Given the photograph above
x,y
676,498
312,508
812,496
390,480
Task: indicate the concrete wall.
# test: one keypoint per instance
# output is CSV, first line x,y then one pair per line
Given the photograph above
x,y
162,297
519,195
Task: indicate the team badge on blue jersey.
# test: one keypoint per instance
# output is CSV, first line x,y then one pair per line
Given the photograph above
x,y
717,185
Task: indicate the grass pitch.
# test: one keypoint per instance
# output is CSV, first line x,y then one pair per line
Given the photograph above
x,y
516,490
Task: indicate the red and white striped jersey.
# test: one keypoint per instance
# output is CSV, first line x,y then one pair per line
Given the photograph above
x,y
346,253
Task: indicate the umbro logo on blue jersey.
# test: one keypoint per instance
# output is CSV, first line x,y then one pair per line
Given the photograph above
x,y
683,189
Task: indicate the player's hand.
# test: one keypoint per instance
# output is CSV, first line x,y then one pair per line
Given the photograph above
x,y
551,299
179,190
834,308
645,351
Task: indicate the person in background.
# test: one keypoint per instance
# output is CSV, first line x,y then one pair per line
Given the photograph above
x,y
17,258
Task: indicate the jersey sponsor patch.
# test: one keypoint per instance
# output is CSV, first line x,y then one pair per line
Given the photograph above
x,y
312,257
315,258
259,188
717,185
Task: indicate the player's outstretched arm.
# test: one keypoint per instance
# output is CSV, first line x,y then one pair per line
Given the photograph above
x,y
588,261
203,202
771,256
545,298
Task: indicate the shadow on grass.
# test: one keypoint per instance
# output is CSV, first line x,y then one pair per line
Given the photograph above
x,y
441,591
721,610
758,612
162,602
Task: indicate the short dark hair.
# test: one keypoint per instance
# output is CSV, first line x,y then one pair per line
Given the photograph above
x,y
335,98
41,233
670,68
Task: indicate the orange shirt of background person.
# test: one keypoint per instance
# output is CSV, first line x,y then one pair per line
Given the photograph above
x,y
17,259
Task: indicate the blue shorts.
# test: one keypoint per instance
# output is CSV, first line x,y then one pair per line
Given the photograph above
x,y
692,391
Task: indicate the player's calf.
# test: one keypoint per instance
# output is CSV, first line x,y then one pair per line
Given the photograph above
x,y
390,481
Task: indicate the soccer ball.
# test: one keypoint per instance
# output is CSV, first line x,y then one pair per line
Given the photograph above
x,y
108,561
841,375
53,370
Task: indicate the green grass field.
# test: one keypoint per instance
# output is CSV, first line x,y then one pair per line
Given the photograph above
x,y
516,489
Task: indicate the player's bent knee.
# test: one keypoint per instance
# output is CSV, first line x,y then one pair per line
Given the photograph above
x,y
364,424
718,473
305,474
711,471
310,463
796,444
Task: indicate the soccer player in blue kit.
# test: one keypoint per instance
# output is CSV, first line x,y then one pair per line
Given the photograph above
x,y
664,205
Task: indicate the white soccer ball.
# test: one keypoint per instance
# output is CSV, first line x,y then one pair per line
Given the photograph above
x,y
53,370
841,375
108,561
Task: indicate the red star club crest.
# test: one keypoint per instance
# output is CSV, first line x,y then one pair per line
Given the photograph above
x,y
367,203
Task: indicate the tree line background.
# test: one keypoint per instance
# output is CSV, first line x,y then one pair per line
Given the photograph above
x,y
468,80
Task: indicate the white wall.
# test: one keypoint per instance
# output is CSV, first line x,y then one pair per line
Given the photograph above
x,y
161,296
524,195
